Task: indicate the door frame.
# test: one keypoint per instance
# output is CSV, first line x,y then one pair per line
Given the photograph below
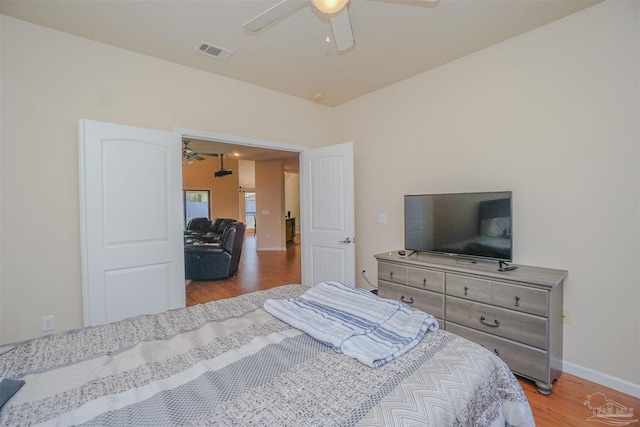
x,y
250,142
238,140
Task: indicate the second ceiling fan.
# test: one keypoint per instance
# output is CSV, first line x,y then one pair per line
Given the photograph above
x,y
336,9
189,155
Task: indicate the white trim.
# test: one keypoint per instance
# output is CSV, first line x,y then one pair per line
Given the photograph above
x,y
271,249
84,263
624,386
239,140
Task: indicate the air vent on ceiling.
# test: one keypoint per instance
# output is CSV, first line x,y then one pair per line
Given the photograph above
x,y
213,50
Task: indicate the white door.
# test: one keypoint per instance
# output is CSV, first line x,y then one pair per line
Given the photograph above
x,y
328,224
131,221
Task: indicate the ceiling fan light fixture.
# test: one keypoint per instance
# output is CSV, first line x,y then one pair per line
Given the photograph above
x,y
329,6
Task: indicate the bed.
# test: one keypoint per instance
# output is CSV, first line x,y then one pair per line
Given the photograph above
x,y
231,363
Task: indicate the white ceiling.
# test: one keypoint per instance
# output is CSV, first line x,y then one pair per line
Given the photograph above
x,y
395,39
245,152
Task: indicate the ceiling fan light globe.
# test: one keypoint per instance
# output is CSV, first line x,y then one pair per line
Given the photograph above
x,y
329,6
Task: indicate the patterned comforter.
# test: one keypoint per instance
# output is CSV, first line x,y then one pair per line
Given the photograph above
x,y
231,363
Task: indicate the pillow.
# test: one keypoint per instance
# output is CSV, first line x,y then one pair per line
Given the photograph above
x,y
496,227
8,387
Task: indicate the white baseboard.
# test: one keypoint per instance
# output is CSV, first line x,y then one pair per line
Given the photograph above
x,y
626,387
272,249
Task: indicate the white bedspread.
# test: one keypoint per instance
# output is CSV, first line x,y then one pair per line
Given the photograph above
x,y
355,322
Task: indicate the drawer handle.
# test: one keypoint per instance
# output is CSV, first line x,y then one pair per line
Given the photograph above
x,y
409,301
424,282
517,301
391,275
496,351
495,323
465,290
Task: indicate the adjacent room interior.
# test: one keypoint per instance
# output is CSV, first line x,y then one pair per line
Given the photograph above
x,y
219,182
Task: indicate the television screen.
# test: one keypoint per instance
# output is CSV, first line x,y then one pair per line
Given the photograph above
x,y
476,225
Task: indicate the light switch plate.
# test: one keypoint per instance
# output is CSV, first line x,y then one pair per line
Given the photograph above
x,y
382,218
48,323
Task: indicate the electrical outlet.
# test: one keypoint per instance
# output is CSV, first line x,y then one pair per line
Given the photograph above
x,y
566,315
365,273
48,323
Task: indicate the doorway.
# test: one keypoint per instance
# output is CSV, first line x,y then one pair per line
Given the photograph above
x,y
250,202
328,166
249,215
326,178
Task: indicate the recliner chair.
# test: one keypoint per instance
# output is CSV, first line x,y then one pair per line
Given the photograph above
x,y
199,225
211,262
216,230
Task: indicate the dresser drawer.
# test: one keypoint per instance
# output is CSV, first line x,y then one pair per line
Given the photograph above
x,y
392,272
522,359
427,301
521,327
519,298
469,288
426,279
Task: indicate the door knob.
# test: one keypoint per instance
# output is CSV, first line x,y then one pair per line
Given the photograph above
x,y
347,240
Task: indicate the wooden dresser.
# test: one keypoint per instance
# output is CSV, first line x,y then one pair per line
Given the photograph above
x,y
516,314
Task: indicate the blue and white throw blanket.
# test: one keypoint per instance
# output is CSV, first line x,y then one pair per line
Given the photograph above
x,y
355,322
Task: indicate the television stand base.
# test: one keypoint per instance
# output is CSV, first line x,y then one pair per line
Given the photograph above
x,y
465,261
503,266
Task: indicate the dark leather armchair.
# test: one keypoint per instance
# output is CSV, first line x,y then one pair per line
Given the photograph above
x,y
198,225
213,261
216,230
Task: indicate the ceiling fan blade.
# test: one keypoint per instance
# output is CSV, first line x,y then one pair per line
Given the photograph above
x,y
272,14
208,154
342,32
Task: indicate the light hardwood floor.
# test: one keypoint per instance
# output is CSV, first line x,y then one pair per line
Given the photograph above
x,y
257,270
266,269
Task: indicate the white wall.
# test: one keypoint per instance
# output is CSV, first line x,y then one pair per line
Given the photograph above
x,y
551,115
292,196
1,81
50,80
247,174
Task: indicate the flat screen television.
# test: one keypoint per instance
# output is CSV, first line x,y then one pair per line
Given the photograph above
x,y
471,225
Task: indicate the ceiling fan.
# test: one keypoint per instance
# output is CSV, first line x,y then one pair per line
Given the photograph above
x,y
336,9
189,155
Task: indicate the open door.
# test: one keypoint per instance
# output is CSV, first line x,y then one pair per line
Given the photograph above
x,y
131,221
328,220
